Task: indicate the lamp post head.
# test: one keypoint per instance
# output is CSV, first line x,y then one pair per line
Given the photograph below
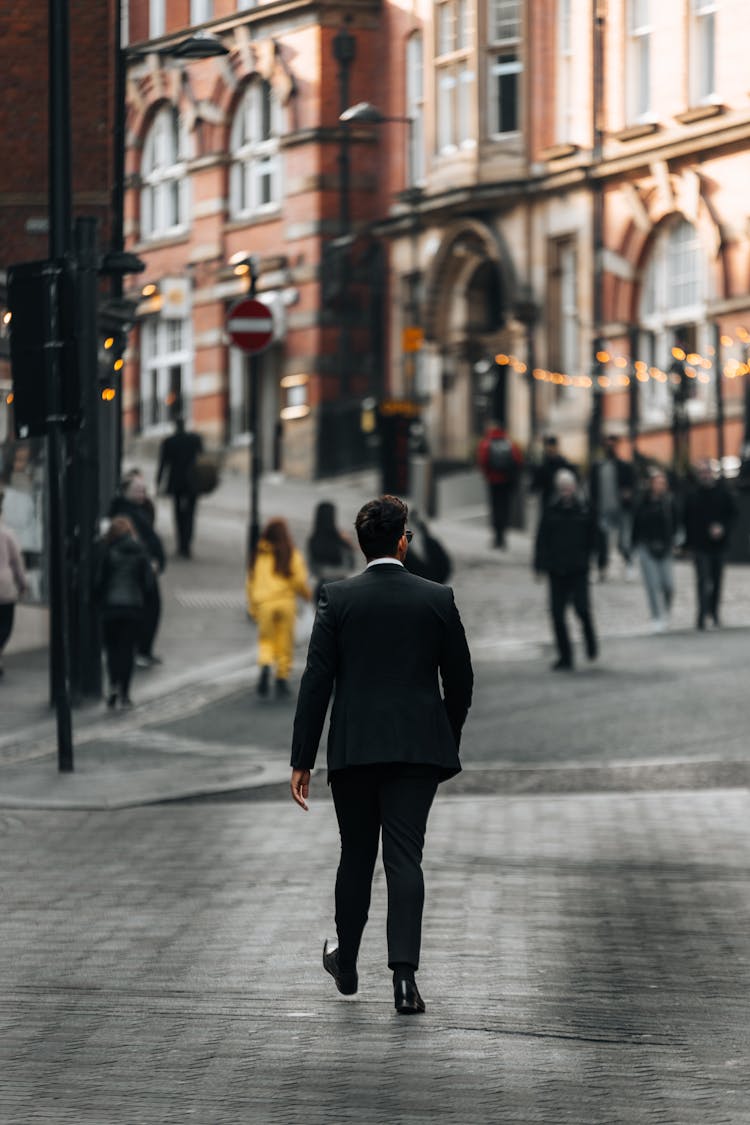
x,y
202,45
365,112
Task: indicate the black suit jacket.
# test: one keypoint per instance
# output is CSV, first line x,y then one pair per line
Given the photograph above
x,y
381,639
177,456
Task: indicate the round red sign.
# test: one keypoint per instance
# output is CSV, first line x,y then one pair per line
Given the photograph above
x,y
250,325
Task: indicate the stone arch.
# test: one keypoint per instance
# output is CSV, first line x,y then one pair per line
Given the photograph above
x,y
468,246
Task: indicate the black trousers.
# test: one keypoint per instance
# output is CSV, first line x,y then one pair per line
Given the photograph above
x,y
7,612
709,570
565,589
500,497
395,800
120,635
149,622
184,518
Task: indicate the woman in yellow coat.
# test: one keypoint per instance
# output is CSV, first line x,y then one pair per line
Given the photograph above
x,y
278,575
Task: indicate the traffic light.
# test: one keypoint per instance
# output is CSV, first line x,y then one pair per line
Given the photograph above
x,y
115,320
41,303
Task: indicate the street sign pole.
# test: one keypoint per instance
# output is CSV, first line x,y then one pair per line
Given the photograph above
x,y
250,327
60,239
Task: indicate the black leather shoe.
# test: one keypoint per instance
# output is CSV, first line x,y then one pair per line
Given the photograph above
x,y
562,666
406,998
345,982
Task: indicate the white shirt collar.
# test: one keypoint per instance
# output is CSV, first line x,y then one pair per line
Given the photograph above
x,y
380,562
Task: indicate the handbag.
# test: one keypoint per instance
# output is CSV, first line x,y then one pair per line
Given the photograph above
x,y
204,474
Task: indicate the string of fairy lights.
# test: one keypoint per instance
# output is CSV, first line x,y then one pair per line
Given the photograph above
x,y
696,366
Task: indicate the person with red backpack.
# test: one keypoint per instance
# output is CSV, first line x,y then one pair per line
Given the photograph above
x,y
500,461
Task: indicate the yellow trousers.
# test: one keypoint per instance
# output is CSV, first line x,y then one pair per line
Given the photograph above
x,y
276,635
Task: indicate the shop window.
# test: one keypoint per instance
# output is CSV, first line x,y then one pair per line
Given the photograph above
x,y
165,371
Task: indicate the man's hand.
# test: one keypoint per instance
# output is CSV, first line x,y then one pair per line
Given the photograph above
x,y
301,787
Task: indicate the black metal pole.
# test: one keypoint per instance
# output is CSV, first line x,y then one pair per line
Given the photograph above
x,y
87,678
60,237
344,51
117,236
719,388
633,392
253,533
597,230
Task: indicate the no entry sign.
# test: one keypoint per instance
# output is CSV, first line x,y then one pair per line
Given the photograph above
x,y
250,325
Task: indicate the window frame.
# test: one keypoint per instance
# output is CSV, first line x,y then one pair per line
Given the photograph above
x,y
157,18
159,359
164,182
415,107
565,115
504,60
703,79
256,152
638,46
454,77
201,11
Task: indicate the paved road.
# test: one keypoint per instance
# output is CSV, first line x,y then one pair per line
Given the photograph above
x,y
586,960
587,945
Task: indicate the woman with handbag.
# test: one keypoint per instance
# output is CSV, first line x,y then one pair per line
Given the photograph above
x,y
276,578
329,553
654,531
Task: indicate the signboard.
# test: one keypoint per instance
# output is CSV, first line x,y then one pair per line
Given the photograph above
x,y
250,325
412,339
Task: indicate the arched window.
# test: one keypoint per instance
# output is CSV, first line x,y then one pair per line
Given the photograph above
x,y
255,177
164,177
674,295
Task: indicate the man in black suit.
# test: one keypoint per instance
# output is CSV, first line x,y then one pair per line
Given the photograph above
x,y
381,638
177,457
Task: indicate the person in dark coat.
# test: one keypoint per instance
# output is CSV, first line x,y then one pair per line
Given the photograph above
x,y
655,528
500,461
177,457
133,502
382,640
565,542
543,474
330,554
710,511
612,490
123,578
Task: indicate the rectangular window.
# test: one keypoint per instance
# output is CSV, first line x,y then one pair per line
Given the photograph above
x,y
415,107
454,75
703,51
157,18
201,10
564,71
638,67
505,66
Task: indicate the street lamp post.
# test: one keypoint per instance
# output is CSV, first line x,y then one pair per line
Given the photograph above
x,y
527,311
364,113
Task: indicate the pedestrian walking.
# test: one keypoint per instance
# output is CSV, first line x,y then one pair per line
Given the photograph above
x,y
275,579
123,578
500,461
655,529
13,583
612,489
330,553
379,642
427,557
543,474
710,511
565,543
177,458
133,502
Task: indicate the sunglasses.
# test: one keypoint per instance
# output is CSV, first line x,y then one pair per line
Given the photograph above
x,y
409,535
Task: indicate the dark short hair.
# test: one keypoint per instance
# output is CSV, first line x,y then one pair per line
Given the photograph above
x,y
549,439
380,524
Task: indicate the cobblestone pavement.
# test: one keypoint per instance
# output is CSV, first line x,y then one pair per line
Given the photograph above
x,y
586,961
